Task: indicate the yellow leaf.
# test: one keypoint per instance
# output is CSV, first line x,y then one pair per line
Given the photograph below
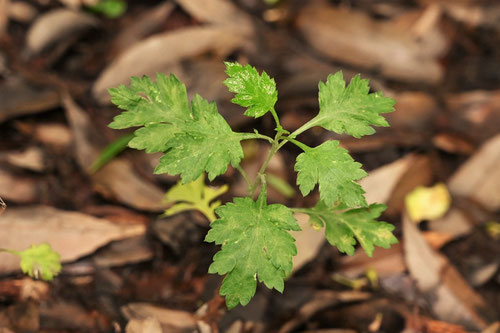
x,y
428,203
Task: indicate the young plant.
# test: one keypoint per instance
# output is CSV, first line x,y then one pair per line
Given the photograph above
x,y
254,235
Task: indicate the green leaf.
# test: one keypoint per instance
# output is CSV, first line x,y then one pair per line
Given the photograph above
x,y
344,227
350,109
334,170
40,261
256,92
110,8
255,245
194,139
194,196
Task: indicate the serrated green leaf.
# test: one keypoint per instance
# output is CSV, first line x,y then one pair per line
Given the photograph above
x,y
255,245
194,196
343,228
334,170
194,139
40,261
350,109
256,92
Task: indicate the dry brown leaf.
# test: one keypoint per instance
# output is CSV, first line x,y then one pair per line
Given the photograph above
x,y
147,325
391,47
128,251
117,180
452,299
22,11
56,25
380,183
223,12
71,234
308,242
141,26
19,99
479,178
162,51
31,159
321,300
4,17
17,189
170,320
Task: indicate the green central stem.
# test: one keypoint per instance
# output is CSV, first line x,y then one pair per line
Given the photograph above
x,y
276,145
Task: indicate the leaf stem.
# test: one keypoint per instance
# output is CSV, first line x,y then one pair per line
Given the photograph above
x,y
250,136
299,144
310,124
276,145
279,129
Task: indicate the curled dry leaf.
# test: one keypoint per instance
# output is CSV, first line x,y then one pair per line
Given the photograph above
x,y
479,178
56,25
71,234
18,189
388,46
117,180
32,159
142,58
170,320
20,98
223,12
452,299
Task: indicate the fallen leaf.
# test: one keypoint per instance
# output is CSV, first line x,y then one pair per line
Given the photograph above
x,y
128,251
71,234
451,298
380,183
479,178
147,325
428,203
221,12
56,25
390,46
20,98
171,320
117,180
142,58
16,188
308,242
31,159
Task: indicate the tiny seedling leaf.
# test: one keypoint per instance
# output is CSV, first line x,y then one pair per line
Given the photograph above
x,y
335,171
255,243
343,228
194,196
40,261
351,109
256,92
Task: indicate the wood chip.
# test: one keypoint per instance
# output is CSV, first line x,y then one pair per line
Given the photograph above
x,y
71,234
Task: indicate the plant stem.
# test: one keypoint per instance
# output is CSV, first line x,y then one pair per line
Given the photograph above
x,y
244,175
276,145
310,124
279,129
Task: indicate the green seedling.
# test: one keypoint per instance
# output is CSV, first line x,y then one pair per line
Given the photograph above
x,y
254,235
38,261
